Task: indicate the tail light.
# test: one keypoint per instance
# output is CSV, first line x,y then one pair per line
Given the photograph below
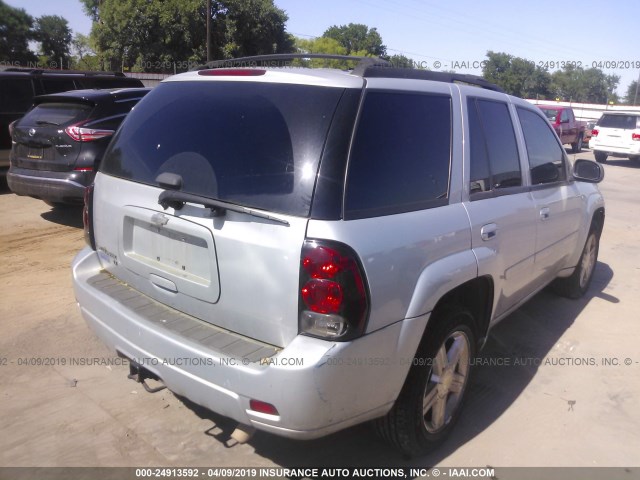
x,y
80,133
635,136
87,217
594,133
333,300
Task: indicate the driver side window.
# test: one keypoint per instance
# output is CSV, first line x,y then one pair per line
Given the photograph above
x,y
546,155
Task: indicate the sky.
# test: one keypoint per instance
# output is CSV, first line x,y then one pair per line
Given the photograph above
x,y
457,35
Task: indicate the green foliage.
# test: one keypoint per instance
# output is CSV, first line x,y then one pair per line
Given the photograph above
x,y
54,35
586,86
357,37
84,56
163,36
520,77
516,76
401,61
328,46
633,94
15,34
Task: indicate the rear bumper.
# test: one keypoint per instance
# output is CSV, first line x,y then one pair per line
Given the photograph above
x,y
318,387
624,150
62,187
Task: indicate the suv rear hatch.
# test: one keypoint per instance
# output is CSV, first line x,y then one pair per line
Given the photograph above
x,y
253,145
42,137
621,131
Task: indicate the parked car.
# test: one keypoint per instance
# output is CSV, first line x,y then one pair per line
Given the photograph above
x,y
616,134
59,143
19,86
569,130
305,250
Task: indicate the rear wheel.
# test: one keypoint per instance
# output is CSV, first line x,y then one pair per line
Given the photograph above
x,y
577,146
432,396
601,157
578,283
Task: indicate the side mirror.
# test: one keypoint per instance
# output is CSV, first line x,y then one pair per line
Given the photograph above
x,y
588,171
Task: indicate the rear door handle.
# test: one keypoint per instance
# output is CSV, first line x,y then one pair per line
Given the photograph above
x,y
544,213
489,231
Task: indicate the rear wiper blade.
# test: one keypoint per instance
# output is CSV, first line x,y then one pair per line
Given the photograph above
x,y
47,122
177,199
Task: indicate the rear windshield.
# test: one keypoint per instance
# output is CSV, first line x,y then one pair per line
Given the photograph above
x,y
253,144
56,114
627,122
550,114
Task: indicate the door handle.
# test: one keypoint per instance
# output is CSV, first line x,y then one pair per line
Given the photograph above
x,y
544,213
489,231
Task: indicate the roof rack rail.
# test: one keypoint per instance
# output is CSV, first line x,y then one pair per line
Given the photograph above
x,y
411,73
277,58
42,71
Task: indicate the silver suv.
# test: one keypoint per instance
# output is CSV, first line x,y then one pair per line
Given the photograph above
x,y
303,250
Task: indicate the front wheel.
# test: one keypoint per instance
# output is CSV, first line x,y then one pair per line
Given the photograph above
x,y
432,396
576,285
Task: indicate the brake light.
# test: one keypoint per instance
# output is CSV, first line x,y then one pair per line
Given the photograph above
x,y
87,217
594,133
79,133
232,72
333,299
635,136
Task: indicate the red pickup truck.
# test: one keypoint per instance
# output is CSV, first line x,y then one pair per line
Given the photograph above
x,y
565,124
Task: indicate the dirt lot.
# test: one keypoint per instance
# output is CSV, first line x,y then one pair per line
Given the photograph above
x,y
574,410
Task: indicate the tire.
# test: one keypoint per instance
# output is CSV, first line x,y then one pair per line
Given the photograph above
x,y
601,157
431,399
576,285
577,147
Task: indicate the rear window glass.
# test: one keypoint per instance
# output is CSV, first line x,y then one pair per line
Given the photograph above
x,y
400,156
56,114
16,95
552,115
627,122
253,144
57,85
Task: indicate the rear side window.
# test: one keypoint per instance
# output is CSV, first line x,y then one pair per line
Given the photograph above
x,y
249,143
57,85
546,155
626,122
494,161
16,95
400,155
56,114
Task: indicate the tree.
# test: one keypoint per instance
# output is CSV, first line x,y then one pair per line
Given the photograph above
x,y
357,37
516,76
400,61
15,34
161,36
84,56
575,84
54,35
633,94
324,45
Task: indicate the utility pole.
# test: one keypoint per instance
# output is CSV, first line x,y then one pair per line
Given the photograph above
x,y
208,30
635,98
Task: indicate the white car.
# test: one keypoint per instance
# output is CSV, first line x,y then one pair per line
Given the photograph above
x,y
616,134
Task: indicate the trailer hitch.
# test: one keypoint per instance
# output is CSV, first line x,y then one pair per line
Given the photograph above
x,y
139,374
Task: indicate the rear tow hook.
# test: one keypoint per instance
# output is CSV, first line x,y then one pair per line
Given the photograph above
x,y
139,374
